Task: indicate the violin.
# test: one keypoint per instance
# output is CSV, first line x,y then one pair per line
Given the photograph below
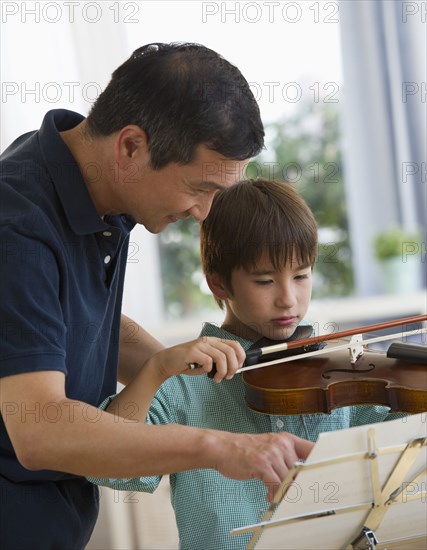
x,y
338,374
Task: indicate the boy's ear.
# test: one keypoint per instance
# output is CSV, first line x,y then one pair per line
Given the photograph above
x,y
217,287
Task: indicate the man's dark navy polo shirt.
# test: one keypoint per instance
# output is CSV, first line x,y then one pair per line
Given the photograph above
x,y
62,274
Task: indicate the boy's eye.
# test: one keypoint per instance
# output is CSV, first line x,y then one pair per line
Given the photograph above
x,y
263,281
301,277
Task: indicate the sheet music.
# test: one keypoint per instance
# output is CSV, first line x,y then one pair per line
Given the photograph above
x,y
337,477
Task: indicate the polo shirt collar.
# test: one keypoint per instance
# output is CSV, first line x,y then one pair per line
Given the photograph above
x,y
76,201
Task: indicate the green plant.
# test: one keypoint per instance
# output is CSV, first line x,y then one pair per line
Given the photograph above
x,y
390,243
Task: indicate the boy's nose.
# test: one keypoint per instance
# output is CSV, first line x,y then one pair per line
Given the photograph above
x,y
285,298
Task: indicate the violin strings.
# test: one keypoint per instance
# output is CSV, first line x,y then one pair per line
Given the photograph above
x,y
329,350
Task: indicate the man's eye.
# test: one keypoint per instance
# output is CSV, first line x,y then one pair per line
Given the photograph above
x,y
206,189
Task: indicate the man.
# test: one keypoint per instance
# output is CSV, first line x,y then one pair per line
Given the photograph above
x,y
175,124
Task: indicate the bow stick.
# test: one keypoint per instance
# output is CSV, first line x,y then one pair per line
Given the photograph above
x,y
254,355
295,344
329,350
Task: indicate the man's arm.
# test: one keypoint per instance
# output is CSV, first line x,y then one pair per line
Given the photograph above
x,y
74,437
136,346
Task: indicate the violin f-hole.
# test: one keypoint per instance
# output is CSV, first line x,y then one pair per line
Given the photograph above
x,y
326,373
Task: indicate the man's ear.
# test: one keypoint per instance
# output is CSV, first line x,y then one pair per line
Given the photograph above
x,y
217,286
131,145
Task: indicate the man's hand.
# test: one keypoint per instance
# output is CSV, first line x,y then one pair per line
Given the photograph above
x,y
267,457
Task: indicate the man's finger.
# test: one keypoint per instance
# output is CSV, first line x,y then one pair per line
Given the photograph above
x,y
303,447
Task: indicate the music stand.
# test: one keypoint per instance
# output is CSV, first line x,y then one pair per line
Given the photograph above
x,y
361,488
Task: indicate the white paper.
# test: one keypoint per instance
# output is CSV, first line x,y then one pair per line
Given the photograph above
x,y
334,487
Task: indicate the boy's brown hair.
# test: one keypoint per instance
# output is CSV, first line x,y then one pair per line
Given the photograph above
x,y
250,218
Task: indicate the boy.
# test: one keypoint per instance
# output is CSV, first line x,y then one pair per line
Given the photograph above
x,y
258,248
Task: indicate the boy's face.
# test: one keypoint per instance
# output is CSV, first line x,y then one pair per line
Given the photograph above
x,y
268,303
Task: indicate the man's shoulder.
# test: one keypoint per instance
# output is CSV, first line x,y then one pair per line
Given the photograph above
x,y
17,147
24,182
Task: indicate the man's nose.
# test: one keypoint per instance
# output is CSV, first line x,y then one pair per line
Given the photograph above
x,y
200,210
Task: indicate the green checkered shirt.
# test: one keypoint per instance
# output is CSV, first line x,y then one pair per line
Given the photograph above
x,y
207,505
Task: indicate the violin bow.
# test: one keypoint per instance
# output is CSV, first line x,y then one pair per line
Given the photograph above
x,y
307,342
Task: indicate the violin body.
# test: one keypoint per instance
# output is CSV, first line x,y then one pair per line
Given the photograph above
x,y
326,382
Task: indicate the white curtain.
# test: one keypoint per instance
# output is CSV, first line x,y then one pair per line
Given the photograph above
x,y
384,123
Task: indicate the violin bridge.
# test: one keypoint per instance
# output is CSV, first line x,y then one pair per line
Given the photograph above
x,y
356,348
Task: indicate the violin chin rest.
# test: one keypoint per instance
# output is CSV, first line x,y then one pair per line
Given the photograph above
x,y
408,352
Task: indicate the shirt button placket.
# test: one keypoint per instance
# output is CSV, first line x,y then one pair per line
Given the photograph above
x,y
107,257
